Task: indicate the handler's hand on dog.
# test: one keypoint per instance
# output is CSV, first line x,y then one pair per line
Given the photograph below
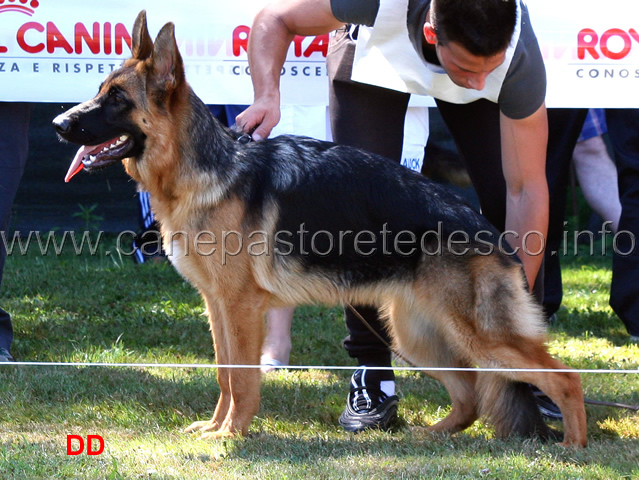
x,y
259,119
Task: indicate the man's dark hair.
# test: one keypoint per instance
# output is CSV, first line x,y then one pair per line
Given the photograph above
x,y
483,27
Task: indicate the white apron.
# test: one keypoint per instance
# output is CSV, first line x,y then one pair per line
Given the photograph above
x,y
385,57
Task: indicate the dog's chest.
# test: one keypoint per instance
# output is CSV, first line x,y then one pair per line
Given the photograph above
x,y
204,244
188,262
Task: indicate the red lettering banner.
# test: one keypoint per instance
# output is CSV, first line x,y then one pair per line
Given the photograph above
x,y
60,50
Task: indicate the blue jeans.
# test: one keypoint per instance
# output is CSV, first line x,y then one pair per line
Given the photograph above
x,y
14,146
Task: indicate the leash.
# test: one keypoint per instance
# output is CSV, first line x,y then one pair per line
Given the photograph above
x,y
600,403
634,408
244,139
240,135
379,337
536,394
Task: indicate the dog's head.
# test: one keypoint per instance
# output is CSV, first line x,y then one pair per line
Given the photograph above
x,y
115,124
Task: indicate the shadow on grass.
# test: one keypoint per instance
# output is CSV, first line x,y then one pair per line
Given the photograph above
x,y
67,309
142,398
296,427
461,454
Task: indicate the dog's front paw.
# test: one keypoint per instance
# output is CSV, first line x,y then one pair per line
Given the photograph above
x,y
218,434
574,444
204,427
212,430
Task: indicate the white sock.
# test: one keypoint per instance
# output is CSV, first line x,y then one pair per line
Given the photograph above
x,y
388,387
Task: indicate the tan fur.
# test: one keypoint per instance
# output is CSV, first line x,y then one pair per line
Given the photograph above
x,y
453,313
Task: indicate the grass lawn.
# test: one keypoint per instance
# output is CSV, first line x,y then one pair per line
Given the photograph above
x,y
103,308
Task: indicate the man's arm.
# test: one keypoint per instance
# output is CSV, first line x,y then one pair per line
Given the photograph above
x,y
272,32
524,145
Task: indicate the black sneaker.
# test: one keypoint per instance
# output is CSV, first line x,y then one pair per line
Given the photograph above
x,y
546,406
367,406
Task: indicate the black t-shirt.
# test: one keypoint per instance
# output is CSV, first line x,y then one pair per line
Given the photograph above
x,y
524,88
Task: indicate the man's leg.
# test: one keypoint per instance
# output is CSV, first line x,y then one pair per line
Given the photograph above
x,y
623,131
564,127
371,118
14,145
476,132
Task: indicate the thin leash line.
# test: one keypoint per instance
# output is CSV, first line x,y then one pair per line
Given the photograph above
x,y
379,337
317,367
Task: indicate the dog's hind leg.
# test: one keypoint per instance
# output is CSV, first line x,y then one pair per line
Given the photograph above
x,y
461,389
564,388
500,326
420,342
238,330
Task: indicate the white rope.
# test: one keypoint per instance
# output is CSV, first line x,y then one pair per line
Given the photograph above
x,y
316,367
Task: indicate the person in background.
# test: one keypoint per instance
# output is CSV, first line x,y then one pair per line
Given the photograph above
x,y
621,124
597,176
596,171
277,342
623,132
14,147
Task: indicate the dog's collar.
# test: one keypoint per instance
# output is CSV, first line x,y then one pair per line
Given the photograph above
x,y
244,139
240,135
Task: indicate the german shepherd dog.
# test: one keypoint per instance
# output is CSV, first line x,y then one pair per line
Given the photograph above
x,y
335,225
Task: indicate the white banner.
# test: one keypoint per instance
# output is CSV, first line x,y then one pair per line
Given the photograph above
x,y
60,50
591,51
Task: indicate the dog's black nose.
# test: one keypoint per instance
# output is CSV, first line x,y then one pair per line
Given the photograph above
x,y
62,124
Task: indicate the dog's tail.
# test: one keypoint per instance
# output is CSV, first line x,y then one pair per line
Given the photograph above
x,y
511,407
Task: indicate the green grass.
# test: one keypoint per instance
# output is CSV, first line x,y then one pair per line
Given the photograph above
x,y
105,309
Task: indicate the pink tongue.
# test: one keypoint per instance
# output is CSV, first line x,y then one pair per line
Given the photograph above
x,y
76,164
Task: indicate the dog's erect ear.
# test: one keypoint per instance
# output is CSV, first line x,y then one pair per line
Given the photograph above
x,y
141,43
168,69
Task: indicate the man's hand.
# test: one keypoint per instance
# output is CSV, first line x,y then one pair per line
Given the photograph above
x,y
259,119
273,30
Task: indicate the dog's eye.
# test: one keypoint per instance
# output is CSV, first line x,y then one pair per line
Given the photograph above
x,y
116,95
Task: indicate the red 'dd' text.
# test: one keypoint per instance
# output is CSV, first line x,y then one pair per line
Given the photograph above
x,y
75,444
